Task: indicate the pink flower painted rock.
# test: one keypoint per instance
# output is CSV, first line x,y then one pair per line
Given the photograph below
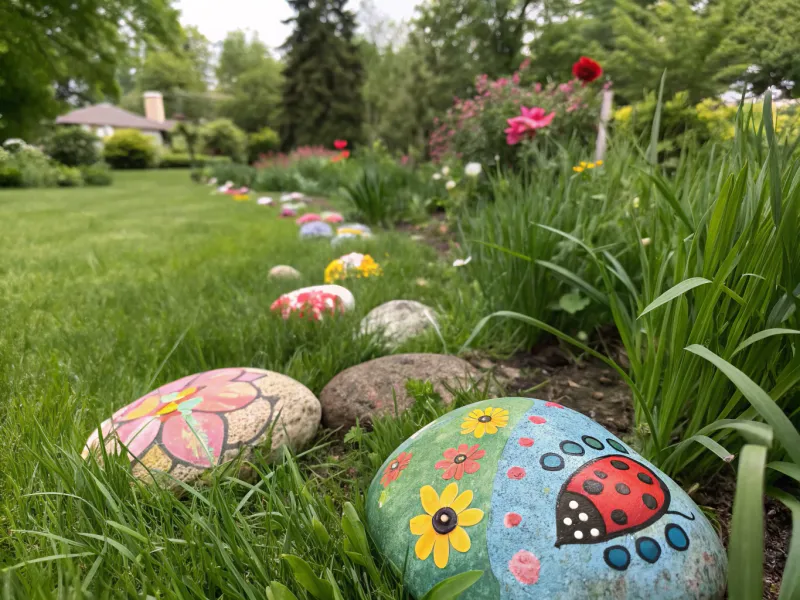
x,y
308,218
314,302
332,217
187,426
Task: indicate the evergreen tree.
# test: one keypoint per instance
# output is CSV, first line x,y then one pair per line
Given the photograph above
x,y
322,98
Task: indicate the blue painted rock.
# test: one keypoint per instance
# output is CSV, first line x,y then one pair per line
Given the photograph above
x,y
316,229
547,503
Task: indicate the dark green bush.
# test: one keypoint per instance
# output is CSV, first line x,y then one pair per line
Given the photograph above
x,y
10,177
223,138
73,146
98,174
69,176
130,149
262,142
181,160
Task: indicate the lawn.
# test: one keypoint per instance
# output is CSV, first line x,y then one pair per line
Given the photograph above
x,y
107,293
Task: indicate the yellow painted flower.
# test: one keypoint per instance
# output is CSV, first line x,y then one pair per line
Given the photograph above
x,y
583,163
241,197
578,169
481,422
599,163
334,271
590,166
443,524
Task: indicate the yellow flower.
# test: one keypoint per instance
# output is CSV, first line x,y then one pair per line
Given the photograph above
x,y
481,422
368,267
578,169
334,271
599,163
590,166
443,524
583,163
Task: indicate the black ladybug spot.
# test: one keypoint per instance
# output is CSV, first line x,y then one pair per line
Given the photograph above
x,y
649,501
618,464
619,517
645,478
622,489
593,487
601,475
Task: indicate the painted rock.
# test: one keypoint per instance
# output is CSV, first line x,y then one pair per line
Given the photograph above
x,y
265,201
378,387
354,229
284,272
315,302
398,321
288,212
309,218
547,503
352,265
315,229
292,197
332,217
204,420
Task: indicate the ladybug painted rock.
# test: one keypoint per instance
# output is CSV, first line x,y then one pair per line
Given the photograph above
x,y
547,503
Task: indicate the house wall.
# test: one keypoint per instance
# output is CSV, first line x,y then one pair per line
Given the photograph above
x,y
104,131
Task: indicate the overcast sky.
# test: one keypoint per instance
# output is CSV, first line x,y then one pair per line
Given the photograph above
x,y
215,18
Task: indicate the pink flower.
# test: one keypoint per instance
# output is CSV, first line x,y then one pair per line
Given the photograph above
x,y
309,218
527,124
311,304
537,88
516,78
525,567
516,473
182,418
525,64
512,519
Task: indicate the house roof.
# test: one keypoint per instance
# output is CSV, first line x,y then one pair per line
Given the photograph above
x,y
107,114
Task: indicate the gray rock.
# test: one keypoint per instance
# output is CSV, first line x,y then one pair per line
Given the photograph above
x,y
398,321
373,387
284,272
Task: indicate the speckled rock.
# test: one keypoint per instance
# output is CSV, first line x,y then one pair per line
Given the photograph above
x,y
187,426
284,272
547,503
398,321
367,389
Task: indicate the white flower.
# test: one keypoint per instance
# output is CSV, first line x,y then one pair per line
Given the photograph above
x,y
473,169
450,184
265,201
445,171
583,336
636,202
461,262
496,158
645,241
437,176
228,183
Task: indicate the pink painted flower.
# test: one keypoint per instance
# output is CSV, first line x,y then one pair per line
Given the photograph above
x,y
527,123
525,442
183,418
458,461
537,420
309,218
516,473
553,405
512,519
525,567
312,304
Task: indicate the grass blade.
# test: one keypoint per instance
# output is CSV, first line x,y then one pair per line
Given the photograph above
x,y
761,335
675,291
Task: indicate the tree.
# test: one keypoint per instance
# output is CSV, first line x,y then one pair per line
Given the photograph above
x,y
696,44
772,34
58,52
250,80
322,98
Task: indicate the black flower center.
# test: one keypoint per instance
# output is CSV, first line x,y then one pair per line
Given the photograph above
x,y
484,419
394,465
445,520
460,458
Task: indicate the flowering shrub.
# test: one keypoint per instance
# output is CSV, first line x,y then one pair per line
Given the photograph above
x,y
490,126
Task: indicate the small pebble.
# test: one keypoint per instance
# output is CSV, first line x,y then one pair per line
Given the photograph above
x,y
598,395
605,380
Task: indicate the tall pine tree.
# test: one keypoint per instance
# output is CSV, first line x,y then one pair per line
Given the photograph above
x,y
322,99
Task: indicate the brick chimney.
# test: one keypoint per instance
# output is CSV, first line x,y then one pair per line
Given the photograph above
x,y
154,106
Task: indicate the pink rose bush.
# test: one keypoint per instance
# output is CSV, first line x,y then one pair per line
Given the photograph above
x,y
507,115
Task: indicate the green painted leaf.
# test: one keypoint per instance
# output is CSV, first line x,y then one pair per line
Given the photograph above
x,y
675,291
573,302
452,587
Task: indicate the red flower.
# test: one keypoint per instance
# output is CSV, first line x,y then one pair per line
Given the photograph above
x,y
342,144
586,69
527,124
392,472
461,460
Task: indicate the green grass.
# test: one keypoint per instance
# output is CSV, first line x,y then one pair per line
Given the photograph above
x,y
107,293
